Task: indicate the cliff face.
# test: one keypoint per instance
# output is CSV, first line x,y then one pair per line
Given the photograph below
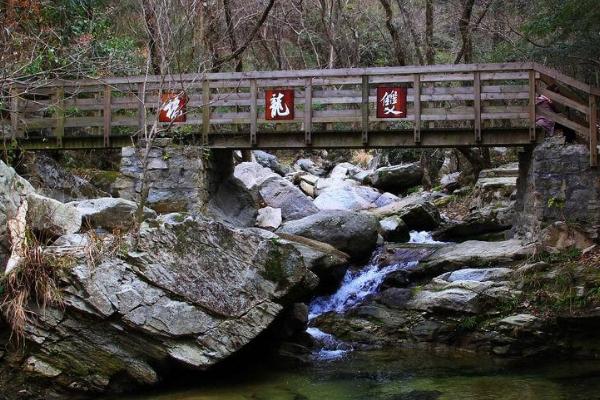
x,y
192,293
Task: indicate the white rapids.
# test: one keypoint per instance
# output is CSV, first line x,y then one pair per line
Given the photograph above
x,y
356,286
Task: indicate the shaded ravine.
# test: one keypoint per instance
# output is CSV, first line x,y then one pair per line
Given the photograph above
x,y
356,286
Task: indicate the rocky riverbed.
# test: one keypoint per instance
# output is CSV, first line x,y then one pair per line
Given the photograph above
x,y
306,261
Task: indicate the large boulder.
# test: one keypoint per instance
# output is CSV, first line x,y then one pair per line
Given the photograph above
x,y
52,180
13,190
234,203
397,178
190,295
109,213
473,253
394,229
415,211
347,197
465,291
351,232
487,220
252,175
50,217
280,193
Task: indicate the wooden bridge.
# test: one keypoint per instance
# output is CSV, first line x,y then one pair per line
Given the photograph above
x,y
445,106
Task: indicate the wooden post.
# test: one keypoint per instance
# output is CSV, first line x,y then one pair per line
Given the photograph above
x,y
107,114
365,110
59,115
253,112
417,106
141,92
477,104
205,111
532,116
308,112
593,120
14,112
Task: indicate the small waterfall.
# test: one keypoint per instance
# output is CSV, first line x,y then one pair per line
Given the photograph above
x,y
356,286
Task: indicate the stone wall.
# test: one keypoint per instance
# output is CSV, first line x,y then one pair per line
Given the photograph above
x,y
181,177
556,183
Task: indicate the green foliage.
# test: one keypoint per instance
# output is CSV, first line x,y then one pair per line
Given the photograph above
x,y
556,202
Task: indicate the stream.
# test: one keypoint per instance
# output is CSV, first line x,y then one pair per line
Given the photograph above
x,y
340,372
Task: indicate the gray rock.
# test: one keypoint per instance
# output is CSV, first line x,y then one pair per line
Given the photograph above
x,y
385,199
270,161
52,180
109,213
351,232
474,253
395,297
450,182
519,321
281,193
252,175
479,222
40,367
51,217
193,293
415,211
393,229
308,165
13,190
451,299
346,197
397,178
234,203
477,274
321,258
269,217
74,239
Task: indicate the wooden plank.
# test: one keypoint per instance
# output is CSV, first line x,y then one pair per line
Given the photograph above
x,y
59,115
141,108
253,111
593,121
308,111
477,105
379,139
417,108
365,110
406,70
532,114
14,112
107,114
561,119
565,101
562,78
205,112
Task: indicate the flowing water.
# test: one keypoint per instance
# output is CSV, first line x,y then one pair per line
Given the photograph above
x,y
340,373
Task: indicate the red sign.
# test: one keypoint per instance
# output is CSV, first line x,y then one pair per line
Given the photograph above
x,y
279,104
173,107
391,102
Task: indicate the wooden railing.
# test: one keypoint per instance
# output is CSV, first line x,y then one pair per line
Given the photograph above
x,y
448,105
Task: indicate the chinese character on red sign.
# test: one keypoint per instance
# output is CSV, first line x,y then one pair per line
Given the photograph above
x,y
279,104
391,102
173,107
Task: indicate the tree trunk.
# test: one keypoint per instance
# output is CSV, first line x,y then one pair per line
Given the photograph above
x,y
394,33
429,50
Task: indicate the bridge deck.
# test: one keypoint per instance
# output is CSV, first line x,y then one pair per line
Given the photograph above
x,y
445,105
